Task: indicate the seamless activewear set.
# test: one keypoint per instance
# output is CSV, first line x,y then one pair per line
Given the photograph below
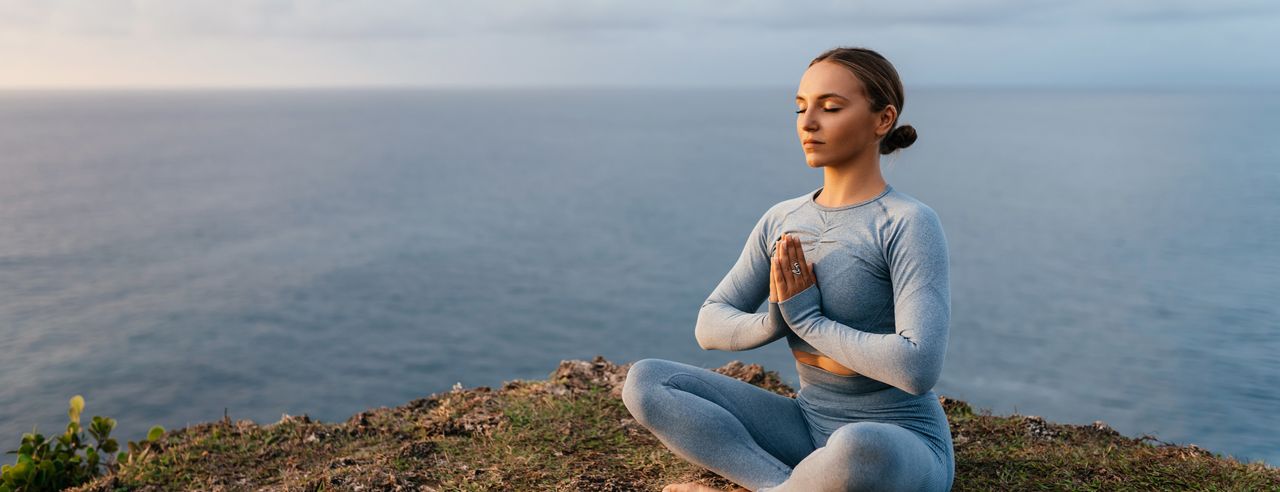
x,y
881,307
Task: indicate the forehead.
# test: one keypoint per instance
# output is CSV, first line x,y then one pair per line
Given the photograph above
x,y
826,77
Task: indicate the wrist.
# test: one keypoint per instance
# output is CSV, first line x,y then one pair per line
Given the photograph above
x,y
802,306
775,314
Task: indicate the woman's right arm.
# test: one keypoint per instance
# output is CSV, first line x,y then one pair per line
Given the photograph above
x,y
727,319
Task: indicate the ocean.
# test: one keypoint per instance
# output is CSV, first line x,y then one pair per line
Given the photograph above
x,y
174,255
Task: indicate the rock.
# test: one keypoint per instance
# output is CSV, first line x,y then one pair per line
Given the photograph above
x,y
301,419
576,376
1103,428
1037,427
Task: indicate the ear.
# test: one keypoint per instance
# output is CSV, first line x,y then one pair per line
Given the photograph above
x,y
887,116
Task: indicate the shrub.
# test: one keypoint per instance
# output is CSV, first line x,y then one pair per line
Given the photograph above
x,y
57,464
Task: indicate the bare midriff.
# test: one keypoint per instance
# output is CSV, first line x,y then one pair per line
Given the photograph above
x,y
823,362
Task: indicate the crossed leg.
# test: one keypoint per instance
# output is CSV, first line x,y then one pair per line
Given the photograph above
x,y
868,456
742,432
761,440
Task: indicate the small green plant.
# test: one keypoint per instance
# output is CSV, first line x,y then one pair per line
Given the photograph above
x,y
57,464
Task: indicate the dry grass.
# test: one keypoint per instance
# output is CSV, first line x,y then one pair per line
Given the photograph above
x,y
572,432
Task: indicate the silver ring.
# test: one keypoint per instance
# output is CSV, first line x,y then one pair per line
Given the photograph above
x,y
795,267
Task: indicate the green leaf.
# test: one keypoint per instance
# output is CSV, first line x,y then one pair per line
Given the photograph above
x,y
155,433
19,470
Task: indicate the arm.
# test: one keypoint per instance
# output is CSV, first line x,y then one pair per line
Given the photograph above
x,y
911,358
727,319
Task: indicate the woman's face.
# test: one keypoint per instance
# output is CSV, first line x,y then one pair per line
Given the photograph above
x,y
834,119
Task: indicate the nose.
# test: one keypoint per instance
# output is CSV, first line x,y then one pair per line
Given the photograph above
x,y
808,122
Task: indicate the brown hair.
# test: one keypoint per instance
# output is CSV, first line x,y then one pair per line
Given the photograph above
x,y
880,84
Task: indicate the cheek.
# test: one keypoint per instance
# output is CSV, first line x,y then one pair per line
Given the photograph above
x,y
849,126
849,131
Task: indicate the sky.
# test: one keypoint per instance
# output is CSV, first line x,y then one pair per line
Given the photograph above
x,y
482,43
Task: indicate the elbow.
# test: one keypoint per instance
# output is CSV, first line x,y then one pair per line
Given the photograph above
x,y
917,389
925,368
700,333
920,383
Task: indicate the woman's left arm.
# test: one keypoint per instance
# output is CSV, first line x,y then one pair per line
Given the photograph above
x,y
911,358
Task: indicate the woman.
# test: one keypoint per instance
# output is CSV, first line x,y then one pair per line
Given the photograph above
x,y
856,274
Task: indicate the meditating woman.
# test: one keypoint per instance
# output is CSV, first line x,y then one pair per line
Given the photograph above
x,y
856,274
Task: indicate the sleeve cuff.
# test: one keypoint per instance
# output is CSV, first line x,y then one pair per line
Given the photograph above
x,y
802,306
775,315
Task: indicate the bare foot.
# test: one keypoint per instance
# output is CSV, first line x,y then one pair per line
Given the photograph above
x,y
696,487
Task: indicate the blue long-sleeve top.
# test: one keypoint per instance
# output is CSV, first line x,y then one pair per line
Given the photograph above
x,y
881,305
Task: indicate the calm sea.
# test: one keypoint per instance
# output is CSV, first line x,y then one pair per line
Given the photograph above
x,y
174,254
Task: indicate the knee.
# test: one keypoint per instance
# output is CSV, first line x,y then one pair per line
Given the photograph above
x,y
869,452
640,379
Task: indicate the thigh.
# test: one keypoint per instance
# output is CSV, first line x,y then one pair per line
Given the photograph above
x,y
774,421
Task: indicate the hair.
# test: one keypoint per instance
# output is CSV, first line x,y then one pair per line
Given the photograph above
x,y
880,84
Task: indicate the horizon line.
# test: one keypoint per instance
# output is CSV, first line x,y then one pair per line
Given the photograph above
x,y
292,87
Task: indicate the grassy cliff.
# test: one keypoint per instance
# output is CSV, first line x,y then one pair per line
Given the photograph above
x,y
572,432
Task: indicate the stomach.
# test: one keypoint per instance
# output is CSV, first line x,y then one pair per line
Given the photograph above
x,y
822,362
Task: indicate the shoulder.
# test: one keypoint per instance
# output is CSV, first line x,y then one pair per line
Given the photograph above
x,y
904,210
910,223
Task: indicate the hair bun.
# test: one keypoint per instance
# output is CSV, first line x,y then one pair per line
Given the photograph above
x,y
899,138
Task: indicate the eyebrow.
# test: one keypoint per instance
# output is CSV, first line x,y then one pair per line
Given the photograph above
x,y
819,98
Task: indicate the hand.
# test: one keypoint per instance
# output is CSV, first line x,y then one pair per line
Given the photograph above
x,y
783,281
773,272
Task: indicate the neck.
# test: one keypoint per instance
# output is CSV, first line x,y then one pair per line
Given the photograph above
x,y
851,182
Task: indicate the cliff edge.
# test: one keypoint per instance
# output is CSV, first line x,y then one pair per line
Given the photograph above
x,y
572,432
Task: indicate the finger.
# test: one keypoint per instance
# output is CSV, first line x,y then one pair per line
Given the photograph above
x,y
776,261
797,255
808,272
773,265
806,276
773,278
787,276
783,292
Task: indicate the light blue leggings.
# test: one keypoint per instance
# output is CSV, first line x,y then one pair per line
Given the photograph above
x,y
828,438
